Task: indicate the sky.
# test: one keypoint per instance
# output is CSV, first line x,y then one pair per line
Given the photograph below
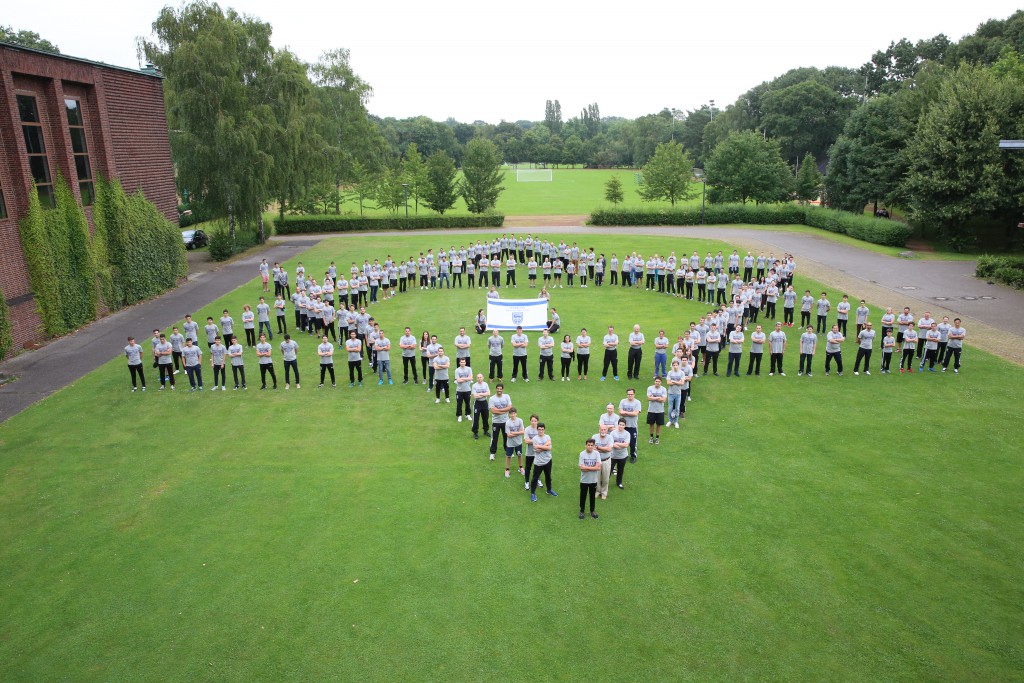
x,y
490,61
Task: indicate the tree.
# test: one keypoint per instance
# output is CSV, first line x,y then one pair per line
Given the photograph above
x,y
388,191
808,180
747,166
806,117
363,184
414,172
26,39
668,175
613,190
440,191
553,116
481,170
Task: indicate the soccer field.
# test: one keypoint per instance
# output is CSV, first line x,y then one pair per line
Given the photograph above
x,y
824,528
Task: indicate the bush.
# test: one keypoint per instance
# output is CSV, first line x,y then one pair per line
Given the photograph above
x,y
6,339
222,247
1006,269
875,230
198,214
293,225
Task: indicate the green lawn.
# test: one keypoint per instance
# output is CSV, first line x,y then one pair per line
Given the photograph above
x,y
839,528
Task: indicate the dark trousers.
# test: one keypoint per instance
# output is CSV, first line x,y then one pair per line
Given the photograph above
x,y
528,469
166,370
585,490
953,353
355,366
136,371
837,357
498,428
620,467
537,470
517,362
423,364
611,359
865,355
582,363
775,363
632,442
282,325
496,365
822,324
787,315
711,358
195,375
549,363
481,416
842,326
721,295
462,402
805,361
613,278
702,290
754,365
176,355
237,370
409,362
886,360
633,358
250,337
267,368
929,357
324,369
769,309
733,364
289,366
805,319
220,372
439,386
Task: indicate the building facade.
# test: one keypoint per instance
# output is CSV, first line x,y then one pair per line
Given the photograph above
x,y
84,120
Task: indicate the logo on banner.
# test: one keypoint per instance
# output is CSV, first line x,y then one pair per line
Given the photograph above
x,y
517,316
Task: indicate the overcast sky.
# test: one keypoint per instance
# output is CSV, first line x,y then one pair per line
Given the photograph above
x,y
501,60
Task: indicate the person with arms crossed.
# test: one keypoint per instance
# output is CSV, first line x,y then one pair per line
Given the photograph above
x,y
603,442
757,340
611,354
481,392
566,351
582,354
514,430
462,344
541,461
808,345
546,344
192,356
164,351
354,347
590,469
620,450
237,363
495,344
888,347
218,356
675,379
867,338
954,346
264,351
909,344
629,410
289,353
520,344
834,349
441,365
777,350
657,395
326,353
463,388
636,353
528,435
382,347
931,346
498,405
736,339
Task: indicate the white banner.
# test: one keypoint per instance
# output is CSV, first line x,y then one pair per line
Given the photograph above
x,y
507,314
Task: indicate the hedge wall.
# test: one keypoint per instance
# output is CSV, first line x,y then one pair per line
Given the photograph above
x,y
138,252
6,338
1006,269
292,225
878,231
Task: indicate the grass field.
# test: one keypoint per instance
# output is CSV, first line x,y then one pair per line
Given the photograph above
x,y
839,528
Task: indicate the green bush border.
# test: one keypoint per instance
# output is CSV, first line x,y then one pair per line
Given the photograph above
x,y
295,225
875,230
1006,269
6,336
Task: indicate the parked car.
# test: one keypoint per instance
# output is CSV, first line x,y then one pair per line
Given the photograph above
x,y
194,238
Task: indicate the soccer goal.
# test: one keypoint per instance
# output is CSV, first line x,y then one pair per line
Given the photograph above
x,y
533,175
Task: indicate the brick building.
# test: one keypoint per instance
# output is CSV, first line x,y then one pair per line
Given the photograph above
x,y
86,120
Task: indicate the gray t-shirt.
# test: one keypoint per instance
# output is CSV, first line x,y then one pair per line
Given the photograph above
x,y
657,392
503,401
191,330
326,348
514,426
383,348
832,342
462,339
757,340
956,343
263,311
546,344
589,460
227,325
191,355
408,339
636,340
777,341
462,372
218,353
441,364
626,404
531,434
480,390
236,360
675,376
177,342
134,354
265,348
808,341
541,457
602,441
620,444
519,339
583,350
867,338
289,349
495,344
353,346
611,341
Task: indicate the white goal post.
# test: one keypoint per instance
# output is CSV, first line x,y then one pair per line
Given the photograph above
x,y
533,175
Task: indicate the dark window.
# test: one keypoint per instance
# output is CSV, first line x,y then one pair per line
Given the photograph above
x,y
80,148
32,130
3,206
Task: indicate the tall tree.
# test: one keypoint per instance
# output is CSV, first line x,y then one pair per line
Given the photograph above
x,y
481,170
613,190
553,116
746,166
807,186
26,39
441,190
806,117
668,175
414,172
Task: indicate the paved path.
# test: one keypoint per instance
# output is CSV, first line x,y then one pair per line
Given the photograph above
x,y
40,373
993,314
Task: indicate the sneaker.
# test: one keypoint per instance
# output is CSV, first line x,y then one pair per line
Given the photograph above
x,y
592,514
582,515
476,437
222,388
841,374
191,390
437,400
657,440
931,369
621,486
513,379
602,379
176,372
507,475
526,379
826,373
134,390
522,471
244,387
902,371
910,370
867,372
447,400
286,386
810,375
616,378
492,456
200,388
782,374
533,497
676,425
526,485
405,381
650,440
460,418
351,384
333,384
552,493
360,384
770,374
943,369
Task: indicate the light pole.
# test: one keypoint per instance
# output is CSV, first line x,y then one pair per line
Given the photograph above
x,y
712,109
699,173
405,188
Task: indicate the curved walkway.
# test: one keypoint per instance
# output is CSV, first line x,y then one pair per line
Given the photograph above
x,y
993,314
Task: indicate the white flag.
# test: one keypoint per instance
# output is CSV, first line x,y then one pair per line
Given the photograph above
x,y
508,314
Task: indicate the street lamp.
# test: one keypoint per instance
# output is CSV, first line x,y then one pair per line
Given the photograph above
x,y
405,188
699,174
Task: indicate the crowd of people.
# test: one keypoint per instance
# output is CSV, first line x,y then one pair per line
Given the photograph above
x,y
741,292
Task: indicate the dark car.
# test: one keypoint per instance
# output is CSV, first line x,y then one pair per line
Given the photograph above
x,y
194,238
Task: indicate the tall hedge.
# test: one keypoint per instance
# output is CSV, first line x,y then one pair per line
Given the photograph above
x,y
858,226
42,276
292,225
139,253
6,338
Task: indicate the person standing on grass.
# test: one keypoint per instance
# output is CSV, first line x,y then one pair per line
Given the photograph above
x,y
867,338
133,352
805,308
657,395
192,356
712,349
164,353
481,392
843,314
862,313
788,305
498,406
909,344
887,322
808,345
629,410
944,327
495,344
218,356
191,329
382,347
590,469
265,274
608,417
528,435
834,350
249,325
546,344
954,346
514,431
354,348
177,340
463,388
432,350
620,450
289,352
824,306
636,353
611,354
237,363
153,342
441,365
264,351
923,325
888,347
757,340
661,344
326,353
736,339
462,344
425,356
675,380
282,322
931,346
407,343
566,350
582,354
541,462
904,320
777,349
603,442
263,314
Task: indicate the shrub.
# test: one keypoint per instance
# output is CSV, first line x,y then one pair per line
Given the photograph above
x,y
292,225
6,339
1006,269
875,230
223,247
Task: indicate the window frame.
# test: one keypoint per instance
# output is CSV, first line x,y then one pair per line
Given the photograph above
x,y
86,186
43,189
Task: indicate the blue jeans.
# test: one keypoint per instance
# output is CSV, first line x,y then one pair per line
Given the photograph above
x,y
660,360
270,335
674,401
382,367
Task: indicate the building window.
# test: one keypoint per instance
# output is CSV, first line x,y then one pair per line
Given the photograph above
x,y
32,129
76,125
3,206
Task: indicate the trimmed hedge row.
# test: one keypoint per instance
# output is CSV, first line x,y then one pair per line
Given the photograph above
x,y
6,338
293,225
875,230
1006,269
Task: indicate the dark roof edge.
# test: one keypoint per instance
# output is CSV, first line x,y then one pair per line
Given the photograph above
x,y
154,73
